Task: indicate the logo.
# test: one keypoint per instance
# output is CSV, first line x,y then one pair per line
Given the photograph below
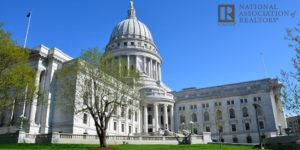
x,y
226,13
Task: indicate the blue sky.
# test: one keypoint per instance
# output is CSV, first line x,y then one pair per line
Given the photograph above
x,y
196,50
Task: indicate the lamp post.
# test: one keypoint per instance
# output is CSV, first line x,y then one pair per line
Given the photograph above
x,y
191,125
279,126
258,130
21,118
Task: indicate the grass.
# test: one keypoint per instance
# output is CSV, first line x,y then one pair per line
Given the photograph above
x,y
122,147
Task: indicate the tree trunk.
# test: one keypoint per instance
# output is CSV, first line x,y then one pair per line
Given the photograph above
x,y
103,138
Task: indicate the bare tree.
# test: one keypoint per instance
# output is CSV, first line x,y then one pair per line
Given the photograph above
x,y
291,79
99,84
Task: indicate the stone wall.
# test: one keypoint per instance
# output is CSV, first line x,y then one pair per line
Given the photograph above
x,y
63,138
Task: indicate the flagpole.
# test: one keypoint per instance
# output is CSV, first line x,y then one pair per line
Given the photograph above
x,y
27,28
263,63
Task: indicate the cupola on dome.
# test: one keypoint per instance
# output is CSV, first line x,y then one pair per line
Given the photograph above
x,y
131,27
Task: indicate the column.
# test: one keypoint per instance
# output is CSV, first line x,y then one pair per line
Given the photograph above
x,y
119,126
126,130
128,63
145,119
34,102
139,121
155,70
151,69
145,64
156,117
172,117
136,63
159,71
166,116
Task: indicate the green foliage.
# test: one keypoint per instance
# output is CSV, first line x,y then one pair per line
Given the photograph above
x,y
290,80
16,76
98,84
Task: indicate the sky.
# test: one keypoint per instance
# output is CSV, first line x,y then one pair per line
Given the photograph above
x,y
197,51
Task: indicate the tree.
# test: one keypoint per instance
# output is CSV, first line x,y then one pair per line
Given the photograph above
x,y
99,85
290,80
16,78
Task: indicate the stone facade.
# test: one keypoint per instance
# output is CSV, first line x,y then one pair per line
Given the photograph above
x,y
294,124
132,41
229,108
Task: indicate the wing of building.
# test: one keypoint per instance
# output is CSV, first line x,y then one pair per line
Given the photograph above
x,y
225,110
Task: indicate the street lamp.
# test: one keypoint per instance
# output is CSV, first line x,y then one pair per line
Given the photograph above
x,y
21,118
279,126
191,125
258,130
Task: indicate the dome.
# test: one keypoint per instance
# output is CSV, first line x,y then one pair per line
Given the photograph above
x,y
131,27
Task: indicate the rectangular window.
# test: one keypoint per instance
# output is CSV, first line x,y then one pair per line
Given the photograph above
x,y
228,102
129,129
191,106
122,127
207,105
245,100
132,43
242,101
220,104
203,105
207,129
85,118
232,101
179,108
233,127
216,104
125,43
258,98
195,106
115,126
183,108
261,125
254,99
247,126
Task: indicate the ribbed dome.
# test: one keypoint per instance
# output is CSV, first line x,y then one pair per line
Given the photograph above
x,y
133,28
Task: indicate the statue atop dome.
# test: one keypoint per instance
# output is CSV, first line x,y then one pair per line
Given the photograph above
x,y
131,11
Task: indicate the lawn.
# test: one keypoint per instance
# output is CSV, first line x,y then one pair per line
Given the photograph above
x,y
122,147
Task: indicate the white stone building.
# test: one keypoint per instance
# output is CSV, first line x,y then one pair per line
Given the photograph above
x,y
229,109
132,41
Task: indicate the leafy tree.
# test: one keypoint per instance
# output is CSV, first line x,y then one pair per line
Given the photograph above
x,y
99,84
16,77
290,80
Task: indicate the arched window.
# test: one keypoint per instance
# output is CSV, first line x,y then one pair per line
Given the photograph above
x,y
245,112
206,116
219,115
182,118
194,117
231,113
259,110
150,119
